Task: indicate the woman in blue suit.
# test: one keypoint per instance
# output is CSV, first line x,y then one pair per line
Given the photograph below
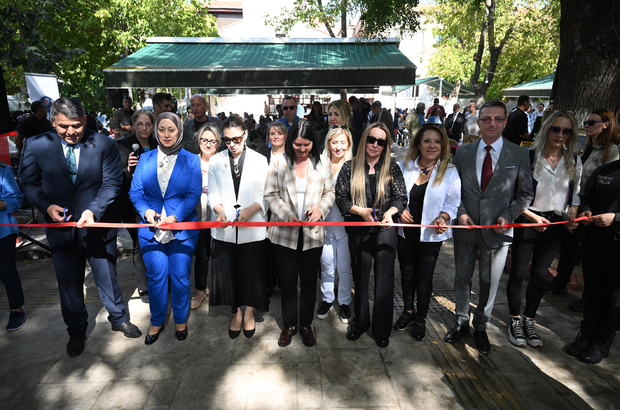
x,y
166,188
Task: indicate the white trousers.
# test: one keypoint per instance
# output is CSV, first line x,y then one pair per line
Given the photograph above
x,y
336,256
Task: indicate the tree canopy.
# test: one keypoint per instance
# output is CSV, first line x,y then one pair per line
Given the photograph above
x,y
494,45
77,40
377,17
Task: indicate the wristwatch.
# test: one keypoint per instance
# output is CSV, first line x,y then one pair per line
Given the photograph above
x,y
442,217
175,218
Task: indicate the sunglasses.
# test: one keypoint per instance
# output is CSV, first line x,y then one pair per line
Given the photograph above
x,y
289,107
234,140
344,127
488,120
380,142
566,132
592,122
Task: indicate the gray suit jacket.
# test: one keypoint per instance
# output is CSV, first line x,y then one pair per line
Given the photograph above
x,y
190,140
509,192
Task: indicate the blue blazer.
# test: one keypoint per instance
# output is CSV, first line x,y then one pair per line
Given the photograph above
x,y
181,196
12,197
45,180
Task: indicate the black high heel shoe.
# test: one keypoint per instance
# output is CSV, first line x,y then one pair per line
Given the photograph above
x,y
181,334
233,334
249,333
150,339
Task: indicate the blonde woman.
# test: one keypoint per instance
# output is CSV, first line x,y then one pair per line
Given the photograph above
x,y
371,188
339,115
209,137
336,249
434,195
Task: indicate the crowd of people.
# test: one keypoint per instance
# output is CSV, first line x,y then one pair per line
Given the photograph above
x,y
163,171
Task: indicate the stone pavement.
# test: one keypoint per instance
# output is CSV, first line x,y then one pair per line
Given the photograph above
x,y
210,371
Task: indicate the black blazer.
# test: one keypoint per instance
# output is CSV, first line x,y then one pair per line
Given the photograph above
x,y
457,127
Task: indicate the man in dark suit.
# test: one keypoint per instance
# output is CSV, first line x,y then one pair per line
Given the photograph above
x,y
455,124
74,173
496,186
383,116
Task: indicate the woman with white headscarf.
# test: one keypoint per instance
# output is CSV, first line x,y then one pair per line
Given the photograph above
x,y
166,188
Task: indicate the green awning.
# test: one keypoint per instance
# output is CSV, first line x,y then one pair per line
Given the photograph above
x,y
258,65
446,86
539,88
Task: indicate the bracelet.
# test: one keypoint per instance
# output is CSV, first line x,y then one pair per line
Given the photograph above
x,y
175,218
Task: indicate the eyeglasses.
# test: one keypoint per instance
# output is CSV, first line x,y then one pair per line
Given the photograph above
x,y
204,141
344,127
591,122
380,142
566,132
488,120
289,107
234,140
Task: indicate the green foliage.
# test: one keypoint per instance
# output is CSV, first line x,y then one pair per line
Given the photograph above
x,y
107,31
531,50
377,17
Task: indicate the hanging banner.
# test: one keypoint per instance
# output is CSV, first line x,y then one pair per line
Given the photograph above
x,y
41,86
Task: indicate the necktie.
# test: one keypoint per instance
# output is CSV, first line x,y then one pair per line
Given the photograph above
x,y
487,169
71,164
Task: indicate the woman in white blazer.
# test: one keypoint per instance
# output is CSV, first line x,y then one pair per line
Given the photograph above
x,y
236,184
434,195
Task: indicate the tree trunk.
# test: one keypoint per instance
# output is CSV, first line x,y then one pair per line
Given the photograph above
x,y
343,20
587,76
327,26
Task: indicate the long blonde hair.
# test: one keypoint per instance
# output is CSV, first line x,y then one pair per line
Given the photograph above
x,y
333,133
358,169
444,157
568,150
344,110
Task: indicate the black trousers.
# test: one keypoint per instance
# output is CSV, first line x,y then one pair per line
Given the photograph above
x,y
417,264
201,264
8,272
541,247
294,263
364,248
570,250
601,275
138,263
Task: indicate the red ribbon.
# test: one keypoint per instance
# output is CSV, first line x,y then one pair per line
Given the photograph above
x,y
8,134
217,224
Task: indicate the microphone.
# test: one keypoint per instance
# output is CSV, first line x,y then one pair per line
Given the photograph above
x,y
134,148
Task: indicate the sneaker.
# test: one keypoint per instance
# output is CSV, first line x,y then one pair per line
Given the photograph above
x,y
144,296
583,339
16,320
531,336
555,288
578,306
323,311
345,314
419,330
515,332
404,320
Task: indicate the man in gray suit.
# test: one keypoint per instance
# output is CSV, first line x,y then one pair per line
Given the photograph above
x,y
198,103
496,186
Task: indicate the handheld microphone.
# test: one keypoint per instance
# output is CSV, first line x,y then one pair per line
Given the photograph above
x,y
134,148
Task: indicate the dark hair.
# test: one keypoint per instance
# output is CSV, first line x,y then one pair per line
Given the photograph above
x,y
494,103
522,100
289,97
302,129
126,97
436,110
436,101
160,97
320,107
234,121
37,105
376,104
353,99
69,107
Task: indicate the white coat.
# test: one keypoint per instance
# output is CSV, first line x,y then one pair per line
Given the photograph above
x,y
251,189
445,197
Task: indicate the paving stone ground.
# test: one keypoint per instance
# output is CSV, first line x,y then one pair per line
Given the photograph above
x,y
210,371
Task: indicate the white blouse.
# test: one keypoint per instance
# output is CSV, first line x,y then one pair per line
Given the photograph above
x,y
553,187
300,187
165,165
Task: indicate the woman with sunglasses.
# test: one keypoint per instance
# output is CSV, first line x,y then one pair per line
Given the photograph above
x,y
556,172
300,187
208,141
600,148
371,188
339,116
434,195
336,249
601,252
236,180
